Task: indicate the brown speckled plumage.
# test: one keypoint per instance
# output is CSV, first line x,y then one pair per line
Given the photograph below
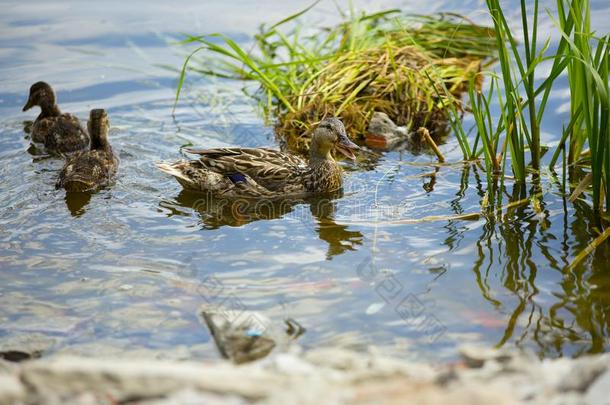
x,y
59,132
92,169
261,172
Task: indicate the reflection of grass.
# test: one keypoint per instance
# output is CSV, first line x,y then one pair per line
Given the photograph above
x,y
369,62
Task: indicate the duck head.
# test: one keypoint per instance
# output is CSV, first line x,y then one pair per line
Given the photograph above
x,y
42,95
98,126
330,135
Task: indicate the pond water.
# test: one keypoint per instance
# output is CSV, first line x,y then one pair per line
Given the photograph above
x,y
124,271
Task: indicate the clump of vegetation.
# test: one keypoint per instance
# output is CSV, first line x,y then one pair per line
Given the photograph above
x,y
410,67
396,81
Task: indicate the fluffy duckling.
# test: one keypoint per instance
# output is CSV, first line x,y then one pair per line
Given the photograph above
x,y
261,172
92,169
59,132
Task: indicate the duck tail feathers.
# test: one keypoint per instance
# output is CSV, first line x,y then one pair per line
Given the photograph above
x,y
173,169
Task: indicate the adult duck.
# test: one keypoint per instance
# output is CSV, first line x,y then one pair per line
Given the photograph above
x,y
92,169
267,173
59,132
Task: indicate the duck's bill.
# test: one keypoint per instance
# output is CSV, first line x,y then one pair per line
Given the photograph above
x,y
347,148
28,105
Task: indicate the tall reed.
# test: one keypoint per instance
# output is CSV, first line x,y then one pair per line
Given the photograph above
x,y
586,59
588,77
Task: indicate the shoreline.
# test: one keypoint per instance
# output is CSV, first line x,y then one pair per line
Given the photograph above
x,y
325,375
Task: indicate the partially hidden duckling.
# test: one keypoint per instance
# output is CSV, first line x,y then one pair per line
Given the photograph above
x,y
384,134
92,169
59,132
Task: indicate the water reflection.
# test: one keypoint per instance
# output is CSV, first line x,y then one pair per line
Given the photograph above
x,y
521,269
216,212
339,237
33,149
76,202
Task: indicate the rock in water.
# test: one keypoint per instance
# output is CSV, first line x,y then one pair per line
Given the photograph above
x,y
23,347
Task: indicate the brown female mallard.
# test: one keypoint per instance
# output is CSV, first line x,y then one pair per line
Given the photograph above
x,y
261,172
59,132
92,169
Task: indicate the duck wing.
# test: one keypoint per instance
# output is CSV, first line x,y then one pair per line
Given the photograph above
x,y
192,175
66,135
269,168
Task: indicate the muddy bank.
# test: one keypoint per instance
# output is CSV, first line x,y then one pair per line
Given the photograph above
x,y
319,376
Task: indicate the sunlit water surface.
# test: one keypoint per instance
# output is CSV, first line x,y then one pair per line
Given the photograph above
x,y
126,270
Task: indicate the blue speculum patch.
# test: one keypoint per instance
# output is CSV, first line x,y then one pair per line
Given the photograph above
x,y
237,177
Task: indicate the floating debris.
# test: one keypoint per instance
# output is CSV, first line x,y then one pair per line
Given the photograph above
x,y
245,336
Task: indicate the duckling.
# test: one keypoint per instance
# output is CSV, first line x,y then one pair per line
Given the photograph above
x,y
261,172
59,132
384,134
92,169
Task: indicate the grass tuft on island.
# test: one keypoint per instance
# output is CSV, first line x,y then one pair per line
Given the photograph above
x,y
410,67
